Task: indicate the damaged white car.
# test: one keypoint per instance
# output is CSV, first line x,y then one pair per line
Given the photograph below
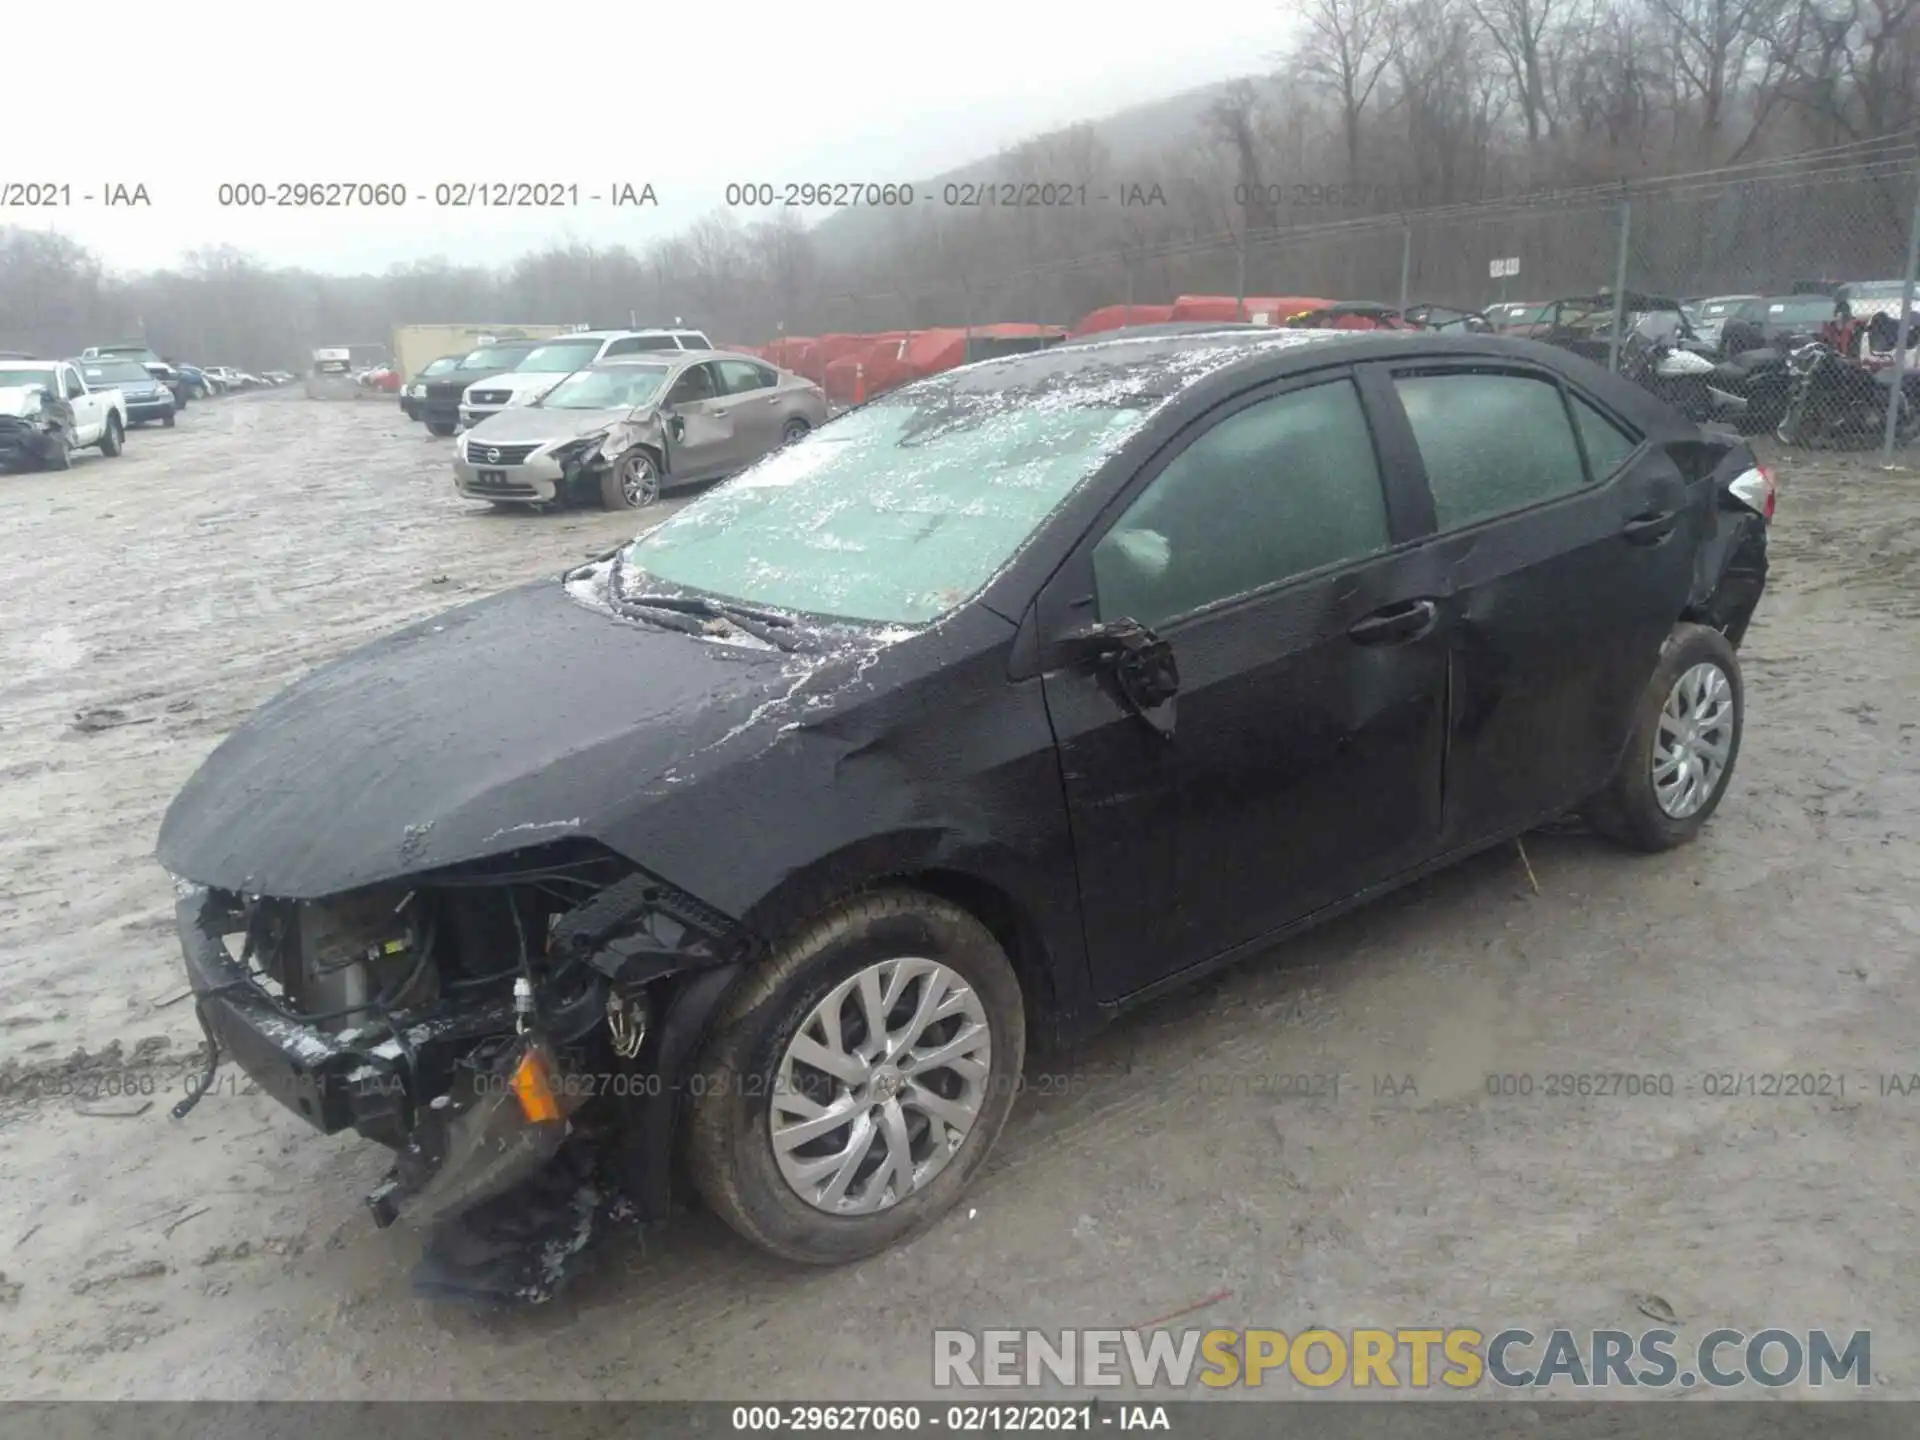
x,y
47,411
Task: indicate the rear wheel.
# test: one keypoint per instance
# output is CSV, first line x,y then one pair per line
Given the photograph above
x,y
113,439
795,429
856,1082
1681,751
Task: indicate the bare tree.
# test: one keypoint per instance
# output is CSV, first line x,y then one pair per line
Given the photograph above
x,y
1348,48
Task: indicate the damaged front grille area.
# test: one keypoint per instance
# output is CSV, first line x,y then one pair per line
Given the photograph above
x,y
391,1009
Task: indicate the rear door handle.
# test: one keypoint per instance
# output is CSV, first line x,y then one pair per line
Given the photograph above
x,y
1650,529
1395,624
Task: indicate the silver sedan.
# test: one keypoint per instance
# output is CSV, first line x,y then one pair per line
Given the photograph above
x,y
622,431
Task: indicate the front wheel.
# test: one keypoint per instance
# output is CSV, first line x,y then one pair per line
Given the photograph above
x,y
113,440
167,420
856,1082
58,457
1682,748
632,482
442,428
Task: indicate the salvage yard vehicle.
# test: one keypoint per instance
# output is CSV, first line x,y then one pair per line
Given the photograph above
x,y
439,406
553,360
415,390
1527,319
147,399
140,352
1710,315
617,433
746,859
47,411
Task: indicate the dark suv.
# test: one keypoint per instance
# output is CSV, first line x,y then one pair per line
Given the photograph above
x,y
438,404
749,856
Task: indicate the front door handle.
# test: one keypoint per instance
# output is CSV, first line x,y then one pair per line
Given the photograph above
x,y
1395,624
1650,529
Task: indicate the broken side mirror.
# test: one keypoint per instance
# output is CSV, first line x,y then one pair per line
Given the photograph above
x,y
1140,664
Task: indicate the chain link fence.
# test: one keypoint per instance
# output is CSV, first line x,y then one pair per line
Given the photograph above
x,y
1771,243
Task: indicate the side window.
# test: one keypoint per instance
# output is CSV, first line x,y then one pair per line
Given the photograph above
x,y
619,347
1491,443
695,383
72,379
692,340
1282,487
1607,444
738,377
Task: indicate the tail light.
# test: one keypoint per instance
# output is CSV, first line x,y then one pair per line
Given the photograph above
x,y
1754,488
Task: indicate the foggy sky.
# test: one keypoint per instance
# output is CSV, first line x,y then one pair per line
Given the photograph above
x,y
586,92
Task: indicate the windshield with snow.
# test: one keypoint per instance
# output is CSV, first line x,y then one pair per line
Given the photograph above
x,y
895,513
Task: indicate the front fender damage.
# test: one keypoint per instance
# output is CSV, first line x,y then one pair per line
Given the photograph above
x,y
662,960
525,1059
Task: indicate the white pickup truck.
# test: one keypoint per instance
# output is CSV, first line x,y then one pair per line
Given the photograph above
x,y
47,411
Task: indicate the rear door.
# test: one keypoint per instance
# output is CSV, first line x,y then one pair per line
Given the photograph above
x,y
1304,759
1568,546
704,445
756,407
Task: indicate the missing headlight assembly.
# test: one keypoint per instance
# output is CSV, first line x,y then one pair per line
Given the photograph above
x,y
490,1024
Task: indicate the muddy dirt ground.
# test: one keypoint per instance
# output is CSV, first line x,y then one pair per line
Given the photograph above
x,y
148,603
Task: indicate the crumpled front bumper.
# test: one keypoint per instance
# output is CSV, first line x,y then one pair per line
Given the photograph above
x,y
22,442
325,1079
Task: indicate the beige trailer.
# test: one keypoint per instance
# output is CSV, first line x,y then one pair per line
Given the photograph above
x,y
414,346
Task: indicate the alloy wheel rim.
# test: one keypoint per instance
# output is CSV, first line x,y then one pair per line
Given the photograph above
x,y
880,1086
639,482
1694,741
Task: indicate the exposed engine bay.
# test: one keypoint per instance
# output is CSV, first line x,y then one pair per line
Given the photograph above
x,y
507,1029
31,419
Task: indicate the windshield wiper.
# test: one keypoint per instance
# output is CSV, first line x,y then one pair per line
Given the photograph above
x,y
677,612
761,624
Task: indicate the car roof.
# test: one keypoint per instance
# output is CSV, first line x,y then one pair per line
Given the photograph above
x,y
617,334
679,357
1202,367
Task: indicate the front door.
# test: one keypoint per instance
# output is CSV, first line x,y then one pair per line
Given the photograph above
x,y
89,409
1304,761
1568,547
702,444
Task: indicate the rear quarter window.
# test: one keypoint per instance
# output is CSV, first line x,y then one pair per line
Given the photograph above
x,y
1492,443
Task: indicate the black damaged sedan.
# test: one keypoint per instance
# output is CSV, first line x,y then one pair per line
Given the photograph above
x,y
748,860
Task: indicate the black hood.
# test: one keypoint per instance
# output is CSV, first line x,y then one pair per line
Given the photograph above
x,y
512,721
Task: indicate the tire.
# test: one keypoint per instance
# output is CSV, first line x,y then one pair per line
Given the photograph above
x,y
1630,809
59,457
168,420
113,440
794,431
441,428
632,482
745,1070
